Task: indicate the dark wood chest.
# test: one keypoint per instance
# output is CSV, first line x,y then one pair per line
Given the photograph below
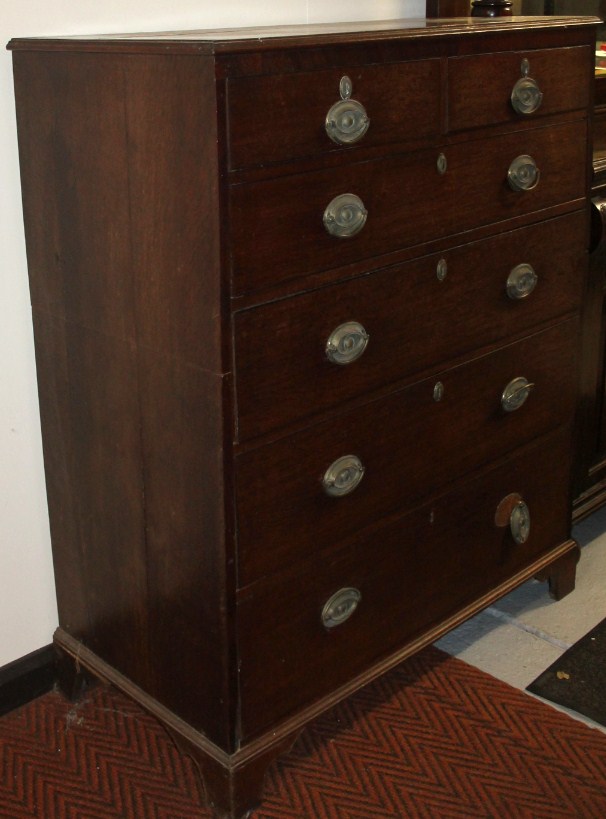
x,y
306,308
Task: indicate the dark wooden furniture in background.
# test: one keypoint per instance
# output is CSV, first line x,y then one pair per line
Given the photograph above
x,y
291,291
491,8
448,8
591,450
466,8
590,486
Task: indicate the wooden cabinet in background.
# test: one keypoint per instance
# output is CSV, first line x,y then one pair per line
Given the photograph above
x,y
448,8
590,458
306,306
466,8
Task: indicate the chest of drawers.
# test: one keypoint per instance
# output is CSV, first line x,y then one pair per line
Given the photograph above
x,y
306,307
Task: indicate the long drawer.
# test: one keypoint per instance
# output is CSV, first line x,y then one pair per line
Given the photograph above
x,y
280,227
410,575
408,445
301,355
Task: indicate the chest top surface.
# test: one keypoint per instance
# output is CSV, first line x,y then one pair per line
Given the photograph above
x,y
238,40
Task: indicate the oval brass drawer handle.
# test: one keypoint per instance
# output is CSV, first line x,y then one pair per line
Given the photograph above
x,y
521,281
345,216
346,120
343,476
513,512
515,394
523,174
346,343
340,607
526,96
519,522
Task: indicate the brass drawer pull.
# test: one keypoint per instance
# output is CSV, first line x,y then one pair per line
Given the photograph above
x,y
346,120
345,216
343,476
346,343
523,174
526,96
512,512
521,282
515,394
519,522
340,607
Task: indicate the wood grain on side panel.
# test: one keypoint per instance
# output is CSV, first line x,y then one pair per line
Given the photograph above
x,y
121,196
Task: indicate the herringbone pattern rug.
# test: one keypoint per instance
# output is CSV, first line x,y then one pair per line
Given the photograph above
x,y
434,738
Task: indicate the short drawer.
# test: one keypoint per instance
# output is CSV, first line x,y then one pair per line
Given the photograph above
x,y
408,444
302,355
286,116
517,86
295,225
410,575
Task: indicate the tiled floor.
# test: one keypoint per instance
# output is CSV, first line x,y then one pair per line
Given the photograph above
x,y
525,632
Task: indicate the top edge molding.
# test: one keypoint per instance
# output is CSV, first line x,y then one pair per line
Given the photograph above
x,y
238,40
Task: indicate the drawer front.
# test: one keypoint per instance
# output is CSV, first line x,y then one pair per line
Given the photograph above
x,y
409,444
285,357
411,575
278,226
287,116
481,87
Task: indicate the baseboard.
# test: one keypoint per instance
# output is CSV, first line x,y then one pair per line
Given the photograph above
x,y
26,678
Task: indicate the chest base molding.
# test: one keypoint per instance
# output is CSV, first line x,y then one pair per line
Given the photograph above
x,y
233,783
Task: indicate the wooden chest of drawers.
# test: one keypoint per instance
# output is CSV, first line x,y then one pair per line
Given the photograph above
x,y
306,306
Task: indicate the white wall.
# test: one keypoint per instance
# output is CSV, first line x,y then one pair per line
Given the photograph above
x,y
28,613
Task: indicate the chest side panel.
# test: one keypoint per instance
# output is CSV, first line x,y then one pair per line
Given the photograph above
x,y
120,172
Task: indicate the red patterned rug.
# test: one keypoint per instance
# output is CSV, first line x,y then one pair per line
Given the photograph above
x,y
434,738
